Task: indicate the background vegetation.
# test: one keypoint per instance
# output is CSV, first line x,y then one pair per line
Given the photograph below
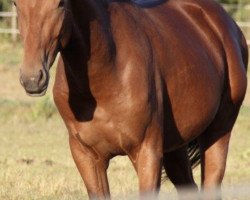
x,y
4,4
35,161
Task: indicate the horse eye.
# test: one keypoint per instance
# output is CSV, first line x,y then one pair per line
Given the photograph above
x,y
61,4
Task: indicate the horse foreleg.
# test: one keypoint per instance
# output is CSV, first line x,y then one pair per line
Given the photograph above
x,y
92,170
178,169
148,168
148,165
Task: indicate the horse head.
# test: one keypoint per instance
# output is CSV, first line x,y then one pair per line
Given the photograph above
x,y
43,31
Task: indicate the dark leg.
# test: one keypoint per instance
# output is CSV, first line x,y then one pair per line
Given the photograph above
x,y
92,170
178,169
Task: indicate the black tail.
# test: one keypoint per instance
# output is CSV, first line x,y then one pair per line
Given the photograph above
x,y
194,155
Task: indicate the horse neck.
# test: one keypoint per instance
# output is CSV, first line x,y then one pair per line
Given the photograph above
x,y
90,50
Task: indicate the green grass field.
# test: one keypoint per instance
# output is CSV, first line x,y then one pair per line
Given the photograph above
x,y
35,161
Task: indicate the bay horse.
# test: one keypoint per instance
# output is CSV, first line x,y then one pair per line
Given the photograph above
x,y
138,79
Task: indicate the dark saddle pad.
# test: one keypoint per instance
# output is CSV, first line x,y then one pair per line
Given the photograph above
x,y
148,3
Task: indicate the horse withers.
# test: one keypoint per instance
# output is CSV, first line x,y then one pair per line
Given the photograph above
x,y
142,80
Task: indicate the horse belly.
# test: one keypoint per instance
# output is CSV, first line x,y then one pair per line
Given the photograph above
x,y
192,100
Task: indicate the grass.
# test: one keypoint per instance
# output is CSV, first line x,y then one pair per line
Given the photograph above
x,y
35,161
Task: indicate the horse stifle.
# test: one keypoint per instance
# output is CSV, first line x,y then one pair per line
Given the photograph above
x,y
142,80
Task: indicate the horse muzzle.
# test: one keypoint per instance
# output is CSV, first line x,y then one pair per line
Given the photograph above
x,y
35,85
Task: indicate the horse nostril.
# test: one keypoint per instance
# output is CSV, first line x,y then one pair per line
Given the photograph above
x,y
42,78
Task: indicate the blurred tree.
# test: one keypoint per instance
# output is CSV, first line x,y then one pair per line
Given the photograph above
x,y
238,11
234,1
4,4
229,1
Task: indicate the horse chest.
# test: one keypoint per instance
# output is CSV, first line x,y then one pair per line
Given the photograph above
x,y
114,125
108,132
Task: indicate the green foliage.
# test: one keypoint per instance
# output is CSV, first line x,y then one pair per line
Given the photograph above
x,y
27,112
44,108
229,1
10,54
5,4
234,1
